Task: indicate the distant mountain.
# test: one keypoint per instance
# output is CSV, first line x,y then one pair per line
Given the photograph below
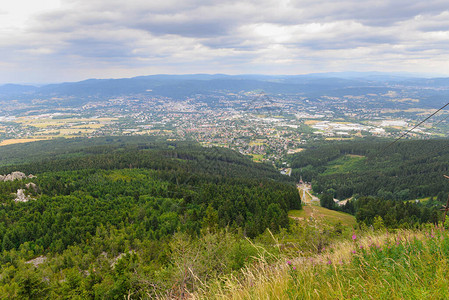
x,y
16,88
185,86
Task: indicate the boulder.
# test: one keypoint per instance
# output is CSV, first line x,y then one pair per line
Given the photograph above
x,y
21,197
14,175
31,186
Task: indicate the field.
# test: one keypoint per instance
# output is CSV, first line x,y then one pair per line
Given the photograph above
x,y
292,151
422,200
339,139
257,143
49,128
345,164
257,157
67,132
70,122
379,265
323,216
20,141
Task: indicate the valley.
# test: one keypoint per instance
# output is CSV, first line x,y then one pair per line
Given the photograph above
x,y
215,191
256,117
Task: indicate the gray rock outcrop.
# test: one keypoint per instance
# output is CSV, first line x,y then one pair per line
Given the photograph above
x,y
21,197
31,186
13,176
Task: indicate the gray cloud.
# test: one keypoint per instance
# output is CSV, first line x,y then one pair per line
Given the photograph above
x,y
375,13
187,36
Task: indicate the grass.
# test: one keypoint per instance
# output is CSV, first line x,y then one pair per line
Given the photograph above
x,y
45,122
377,265
68,131
53,128
257,143
89,126
345,164
65,126
323,216
19,141
422,200
311,122
297,150
308,197
257,157
339,138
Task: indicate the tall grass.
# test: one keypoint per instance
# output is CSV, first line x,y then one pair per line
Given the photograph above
x,y
403,265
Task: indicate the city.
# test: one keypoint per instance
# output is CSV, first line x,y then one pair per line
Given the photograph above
x,y
267,128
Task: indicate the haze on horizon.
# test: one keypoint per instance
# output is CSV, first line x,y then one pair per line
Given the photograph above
x,y
69,40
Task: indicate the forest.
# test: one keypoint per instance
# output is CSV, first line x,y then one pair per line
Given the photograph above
x,y
96,202
404,170
382,179
140,217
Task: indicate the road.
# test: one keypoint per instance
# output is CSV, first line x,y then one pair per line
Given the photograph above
x,y
306,196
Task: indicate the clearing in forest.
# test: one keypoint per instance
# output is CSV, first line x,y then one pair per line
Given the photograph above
x,y
323,215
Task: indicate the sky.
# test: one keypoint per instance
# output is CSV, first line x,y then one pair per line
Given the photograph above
x,y
69,40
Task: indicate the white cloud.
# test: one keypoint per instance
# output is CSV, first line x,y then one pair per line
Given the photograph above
x,y
115,38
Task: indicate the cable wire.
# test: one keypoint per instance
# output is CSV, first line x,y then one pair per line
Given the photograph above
x,y
410,130
441,120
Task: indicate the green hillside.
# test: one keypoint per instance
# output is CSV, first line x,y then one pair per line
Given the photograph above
x,y
402,265
134,218
107,219
405,170
323,216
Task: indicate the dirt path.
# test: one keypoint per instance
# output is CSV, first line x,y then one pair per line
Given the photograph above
x,y
309,202
306,196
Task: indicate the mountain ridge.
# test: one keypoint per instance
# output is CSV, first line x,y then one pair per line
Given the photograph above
x,y
183,86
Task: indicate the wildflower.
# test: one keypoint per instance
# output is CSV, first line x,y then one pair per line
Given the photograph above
x,y
353,251
329,262
289,263
361,247
294,268
354,237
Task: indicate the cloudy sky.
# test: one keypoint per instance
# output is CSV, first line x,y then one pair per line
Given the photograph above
x,y
67,40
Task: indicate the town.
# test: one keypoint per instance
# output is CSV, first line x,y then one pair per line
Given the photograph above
x,y
267,128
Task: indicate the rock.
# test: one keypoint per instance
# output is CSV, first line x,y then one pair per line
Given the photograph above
x,y
31,186
21,197
37,261
116,259
14,175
